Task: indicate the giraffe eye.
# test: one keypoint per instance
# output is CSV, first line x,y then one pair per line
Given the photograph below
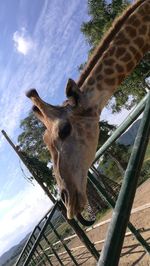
x,y
64,130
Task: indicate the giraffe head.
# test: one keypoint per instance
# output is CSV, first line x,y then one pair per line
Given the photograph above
x,y
71,136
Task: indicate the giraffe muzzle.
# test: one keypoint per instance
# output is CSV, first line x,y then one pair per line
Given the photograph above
x,y
74,202
75,211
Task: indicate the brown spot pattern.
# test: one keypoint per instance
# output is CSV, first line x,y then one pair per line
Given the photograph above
x,y
143,30
91,81
90,89
119,68
139,42
99,77
98,69
120,78
146,48
120,51
108,71
99,86
138,56
147,6
146,18
111,51
130,31
120,36
133,20
130,66
110,81
126,57
133,49
124,41
109,61
141,12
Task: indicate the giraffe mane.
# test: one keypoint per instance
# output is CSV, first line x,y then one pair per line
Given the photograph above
x,y
106,40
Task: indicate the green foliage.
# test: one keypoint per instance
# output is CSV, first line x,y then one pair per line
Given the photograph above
x,y
40,171
110,168
115,160
105,131
31,139
132,90
35,152
121,153
117,155
102,13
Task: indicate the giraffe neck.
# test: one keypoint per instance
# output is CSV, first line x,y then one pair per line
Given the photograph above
x,y
120,58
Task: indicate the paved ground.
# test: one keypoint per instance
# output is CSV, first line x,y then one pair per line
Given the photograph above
x,y
132,252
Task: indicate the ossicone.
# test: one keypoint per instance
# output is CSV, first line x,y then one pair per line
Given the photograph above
x,y
73,91
32,93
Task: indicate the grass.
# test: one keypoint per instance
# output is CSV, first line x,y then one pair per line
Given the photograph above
x,y
102,213
63,229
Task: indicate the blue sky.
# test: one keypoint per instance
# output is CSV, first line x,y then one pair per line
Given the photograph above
x,y
41,46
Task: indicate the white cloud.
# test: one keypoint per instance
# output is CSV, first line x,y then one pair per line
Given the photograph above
x,y
20,214
50,59
23,42
116,118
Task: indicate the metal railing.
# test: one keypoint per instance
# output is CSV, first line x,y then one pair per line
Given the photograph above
x,y
48,244
120,218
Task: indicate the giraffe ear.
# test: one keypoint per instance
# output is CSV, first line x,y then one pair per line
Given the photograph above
x,y
72,91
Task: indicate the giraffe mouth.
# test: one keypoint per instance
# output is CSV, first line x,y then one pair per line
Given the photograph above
x,y
76,210
74,202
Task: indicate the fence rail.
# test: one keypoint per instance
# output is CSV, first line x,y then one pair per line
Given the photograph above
x,y
126,196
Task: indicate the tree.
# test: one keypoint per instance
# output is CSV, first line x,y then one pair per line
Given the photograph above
x,y
105,131
115,159
102,13
31,138
35,152
40,172
133,88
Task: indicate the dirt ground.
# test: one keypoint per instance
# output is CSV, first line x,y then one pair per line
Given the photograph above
x,y
132,253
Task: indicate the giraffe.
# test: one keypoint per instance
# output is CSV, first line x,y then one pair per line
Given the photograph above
x,y
72,130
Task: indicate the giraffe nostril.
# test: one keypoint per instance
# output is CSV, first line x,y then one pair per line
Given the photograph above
x,y
64,196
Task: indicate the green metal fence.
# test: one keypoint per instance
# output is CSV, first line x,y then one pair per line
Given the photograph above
x,y
118,225
49,243
41,248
